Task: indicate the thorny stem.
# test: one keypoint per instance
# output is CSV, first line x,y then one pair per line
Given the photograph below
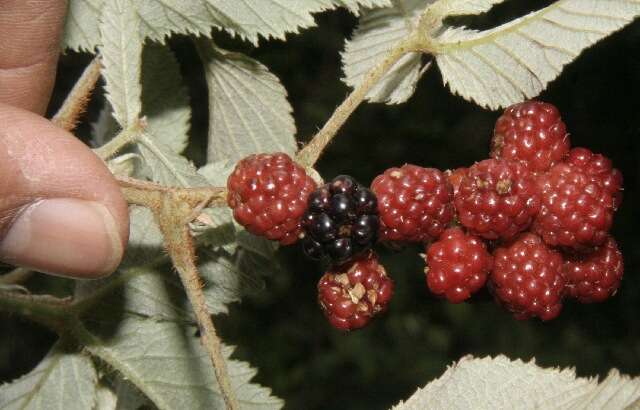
x,y
309,155
76,102
173,217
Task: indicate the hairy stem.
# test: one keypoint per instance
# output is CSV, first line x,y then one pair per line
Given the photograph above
x,y
44,309
124,138
181,250
76,102
139,192
309,155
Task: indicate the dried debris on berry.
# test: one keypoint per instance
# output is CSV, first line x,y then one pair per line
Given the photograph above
x,y
351,295
341,221
415,203
457,265
268,194
497,199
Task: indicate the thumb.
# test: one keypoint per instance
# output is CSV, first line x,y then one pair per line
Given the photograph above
x,y
61,210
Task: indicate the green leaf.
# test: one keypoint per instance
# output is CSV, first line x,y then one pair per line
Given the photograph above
x,y
515,61
379,30
167,167
64,379
106,398
247,19
143,351
248,107
498,383
165,102
462,7
121,52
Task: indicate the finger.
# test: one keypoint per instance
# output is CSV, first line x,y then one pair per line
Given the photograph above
x,y
61,210
29,47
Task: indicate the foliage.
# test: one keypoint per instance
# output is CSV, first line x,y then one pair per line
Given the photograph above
x,y
118,336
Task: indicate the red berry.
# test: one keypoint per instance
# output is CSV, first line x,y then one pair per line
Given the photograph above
x,y
595,276
600,169
457,265
350,296
268,194
527,278
497,199
531,132
579,198
414,203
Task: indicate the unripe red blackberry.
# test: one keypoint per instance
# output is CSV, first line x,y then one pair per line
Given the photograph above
x,y
579,199
415,203
600,169
595,276
268,194
457,265
531,132
497,199
341,221
527,278
351,295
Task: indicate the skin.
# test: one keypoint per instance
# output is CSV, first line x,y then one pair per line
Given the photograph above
x,y
61,210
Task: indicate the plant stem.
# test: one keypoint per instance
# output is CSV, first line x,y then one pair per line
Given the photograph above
x,y
44,309
76,102
180,247
146,193
309,155
125,137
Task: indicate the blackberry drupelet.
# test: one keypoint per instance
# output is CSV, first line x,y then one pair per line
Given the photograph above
x,y
341,221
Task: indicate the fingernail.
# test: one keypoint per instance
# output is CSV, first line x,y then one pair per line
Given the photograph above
x,y
63,236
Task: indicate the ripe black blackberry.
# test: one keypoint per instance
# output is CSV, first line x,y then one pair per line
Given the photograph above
x,y
341,221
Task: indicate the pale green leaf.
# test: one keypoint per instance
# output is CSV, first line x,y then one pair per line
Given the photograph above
x,y
248,107
247,19
378,32
515,61
500,383
129,398
165,102
106,398
64,379
462,7
124,165
105,126
167,363
144,284
121,52
82,25
167,167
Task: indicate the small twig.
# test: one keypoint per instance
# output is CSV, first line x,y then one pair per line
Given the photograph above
x,y
173,219
312,151
47,310
124,138
138,192
76,102
16,276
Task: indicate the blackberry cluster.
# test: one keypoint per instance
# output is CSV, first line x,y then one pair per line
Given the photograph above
x,y
531,223
341,221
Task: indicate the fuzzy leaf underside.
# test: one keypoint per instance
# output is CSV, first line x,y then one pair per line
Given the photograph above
x,y
166,362
165,102
246,19
378,31
121,52
500,383
62,380
515,61
248,107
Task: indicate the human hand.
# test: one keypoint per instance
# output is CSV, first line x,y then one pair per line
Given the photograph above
x,y
61,210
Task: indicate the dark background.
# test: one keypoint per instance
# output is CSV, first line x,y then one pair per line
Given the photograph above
x,y
282,332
